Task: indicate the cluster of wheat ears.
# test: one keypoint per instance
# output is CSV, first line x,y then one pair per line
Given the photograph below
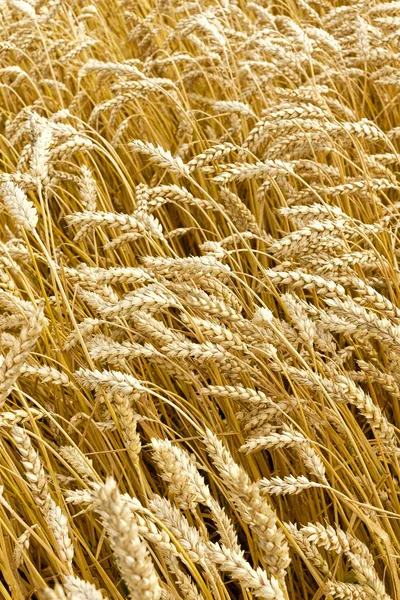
x,y
200,300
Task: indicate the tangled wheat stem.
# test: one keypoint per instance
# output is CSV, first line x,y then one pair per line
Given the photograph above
x,y
64,297
42,542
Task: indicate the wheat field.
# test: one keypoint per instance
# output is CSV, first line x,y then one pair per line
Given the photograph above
x,y
199,300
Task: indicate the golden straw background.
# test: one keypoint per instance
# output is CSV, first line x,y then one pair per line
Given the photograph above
x,y
199,300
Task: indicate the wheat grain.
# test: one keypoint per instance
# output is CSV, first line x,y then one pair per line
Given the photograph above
x,y
81,590
133,559
17,354
33,468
